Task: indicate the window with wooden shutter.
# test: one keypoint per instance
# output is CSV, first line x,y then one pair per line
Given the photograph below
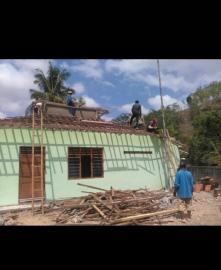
x,y
97,162
85,162
74,162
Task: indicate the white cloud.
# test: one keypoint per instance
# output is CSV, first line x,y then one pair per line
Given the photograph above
x,y
128,66
90,102
107,118
126,108
16,78
177,75
78,87
106,98
65,65
108,83
144,110
2,115
31,64
155,102
89,68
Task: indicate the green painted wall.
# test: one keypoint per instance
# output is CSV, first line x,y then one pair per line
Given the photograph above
x,y
121,171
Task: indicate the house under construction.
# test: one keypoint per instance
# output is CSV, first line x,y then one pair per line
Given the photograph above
x,y
80,149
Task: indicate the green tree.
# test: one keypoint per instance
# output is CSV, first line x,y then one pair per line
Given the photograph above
x,y
204,106
172,119
51,85
208,93
123,118
205,146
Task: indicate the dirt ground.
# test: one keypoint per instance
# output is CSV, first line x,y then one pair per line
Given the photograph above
x,y
206,210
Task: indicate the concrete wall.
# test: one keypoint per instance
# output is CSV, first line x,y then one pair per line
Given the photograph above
x,y
121,171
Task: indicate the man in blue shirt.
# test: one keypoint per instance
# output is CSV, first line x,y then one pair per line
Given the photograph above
x,y
184,188
70,102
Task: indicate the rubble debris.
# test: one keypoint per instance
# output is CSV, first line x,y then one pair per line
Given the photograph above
x,y
9,219
217,192
208,180
117,207
2,221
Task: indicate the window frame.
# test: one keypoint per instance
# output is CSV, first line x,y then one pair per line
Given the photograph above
x,y
91,154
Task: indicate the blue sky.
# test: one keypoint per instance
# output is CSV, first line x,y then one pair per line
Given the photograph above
x,y
112,84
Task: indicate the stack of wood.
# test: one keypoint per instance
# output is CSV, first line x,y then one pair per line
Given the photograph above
x,y
110,207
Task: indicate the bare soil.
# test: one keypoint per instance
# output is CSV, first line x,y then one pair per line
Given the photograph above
x,y
206,210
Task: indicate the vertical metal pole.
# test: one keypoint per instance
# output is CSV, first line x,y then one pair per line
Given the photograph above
x,y
167,158
161,97
42,165
32,162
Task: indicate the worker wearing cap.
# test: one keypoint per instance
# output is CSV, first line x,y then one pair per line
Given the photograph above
x,y
184,189
136,113
70,102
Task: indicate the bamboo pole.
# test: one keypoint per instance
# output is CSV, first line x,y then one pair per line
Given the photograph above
x,y
100,201
99,211
32,161
142,216
42,165
91,187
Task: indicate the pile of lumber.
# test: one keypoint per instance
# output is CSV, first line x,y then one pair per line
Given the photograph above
x,y
116,207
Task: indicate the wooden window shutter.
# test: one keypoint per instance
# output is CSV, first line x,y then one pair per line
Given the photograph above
x,y
74,163
97,162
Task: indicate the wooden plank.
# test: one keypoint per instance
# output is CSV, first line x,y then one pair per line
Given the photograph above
x,y
82,201
142,216
85,213
91,187
100,201
99,211
88,192
112,191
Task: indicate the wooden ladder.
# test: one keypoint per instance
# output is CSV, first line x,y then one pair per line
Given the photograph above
x,y
34,134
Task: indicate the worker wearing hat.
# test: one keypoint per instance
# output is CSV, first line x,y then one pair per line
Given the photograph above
x,y
70,102
136,113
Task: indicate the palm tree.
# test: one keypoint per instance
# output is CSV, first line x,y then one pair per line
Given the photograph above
x,y
51,86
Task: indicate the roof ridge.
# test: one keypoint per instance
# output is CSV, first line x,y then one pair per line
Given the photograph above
x,y
69,123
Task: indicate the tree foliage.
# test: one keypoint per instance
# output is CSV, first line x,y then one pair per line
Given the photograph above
x,y
123,118
199,126
205,146
52,85
205,105
172,119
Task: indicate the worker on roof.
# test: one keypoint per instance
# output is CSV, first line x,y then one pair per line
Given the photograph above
x,y
70,102
184,189
136,113
152,125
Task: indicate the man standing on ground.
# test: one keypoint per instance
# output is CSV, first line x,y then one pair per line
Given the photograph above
x,y
184,189
136,113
